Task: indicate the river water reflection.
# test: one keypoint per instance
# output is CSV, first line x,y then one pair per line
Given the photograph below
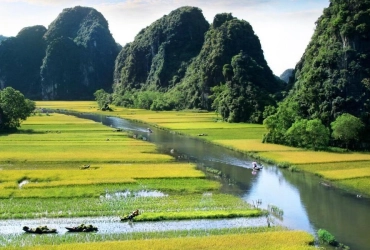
x,y
307,204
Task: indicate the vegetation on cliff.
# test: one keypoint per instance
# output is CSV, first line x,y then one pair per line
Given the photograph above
x,y
158,57
79,57
70,60
333,76
220,67
20,61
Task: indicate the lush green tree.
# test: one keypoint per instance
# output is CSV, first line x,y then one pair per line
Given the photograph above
x,y
307,134
346,128
14,108
103,99
277,124
296,135
317,135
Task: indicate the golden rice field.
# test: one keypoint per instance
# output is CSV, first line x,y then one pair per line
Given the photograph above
x,y
254,145
43,174
283,240
243,137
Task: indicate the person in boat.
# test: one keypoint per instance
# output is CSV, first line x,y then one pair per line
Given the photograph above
x,y
255,167
132,215
82,228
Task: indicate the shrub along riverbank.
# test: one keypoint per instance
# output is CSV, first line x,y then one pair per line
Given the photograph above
x,y
347,170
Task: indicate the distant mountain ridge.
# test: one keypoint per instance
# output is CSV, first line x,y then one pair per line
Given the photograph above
x,y
177,62
2,38
286,75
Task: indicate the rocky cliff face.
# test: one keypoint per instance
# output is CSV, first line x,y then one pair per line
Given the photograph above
x,y
79,57
20,61
160,53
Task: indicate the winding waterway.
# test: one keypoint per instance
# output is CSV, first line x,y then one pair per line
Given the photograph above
x,y
307,204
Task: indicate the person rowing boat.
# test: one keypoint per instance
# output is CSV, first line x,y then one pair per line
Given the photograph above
x,y
131,216
255,166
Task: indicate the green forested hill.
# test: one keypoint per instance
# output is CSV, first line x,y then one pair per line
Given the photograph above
x,y
20,61
160,53
79,57
333,76
70,60
231,54
178,60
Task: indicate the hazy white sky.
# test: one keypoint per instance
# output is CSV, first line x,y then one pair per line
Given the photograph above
x,y
284,27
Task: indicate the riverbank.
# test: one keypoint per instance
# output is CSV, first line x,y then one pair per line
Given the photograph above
x,y
349,171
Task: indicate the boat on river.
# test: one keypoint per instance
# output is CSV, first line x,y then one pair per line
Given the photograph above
x,y
82,228
39,230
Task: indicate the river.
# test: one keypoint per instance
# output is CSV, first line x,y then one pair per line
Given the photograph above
x,y
307,204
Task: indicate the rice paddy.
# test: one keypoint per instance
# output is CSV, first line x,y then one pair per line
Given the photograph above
x,y
246,138
247,238
60,166
271,240
55,147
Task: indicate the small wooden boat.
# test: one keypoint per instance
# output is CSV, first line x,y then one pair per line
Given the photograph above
x,y
82,228
39,230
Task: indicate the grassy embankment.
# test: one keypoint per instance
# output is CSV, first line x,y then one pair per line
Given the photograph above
x,y
350,171
43,175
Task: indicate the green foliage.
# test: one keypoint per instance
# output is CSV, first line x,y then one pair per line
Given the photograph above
x,y
317,134
326,237
333,75
13,108
221,19
103,98
308,133
347,128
